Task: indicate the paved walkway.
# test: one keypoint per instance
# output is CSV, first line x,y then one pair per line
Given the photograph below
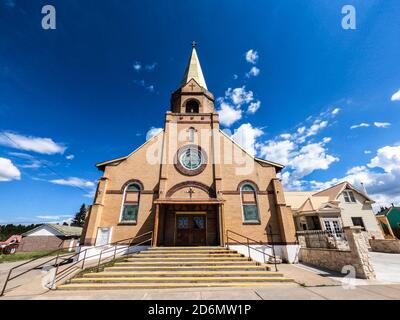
x,y
310,284
274,292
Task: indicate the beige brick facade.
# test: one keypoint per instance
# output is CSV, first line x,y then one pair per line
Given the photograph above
x,y
168,189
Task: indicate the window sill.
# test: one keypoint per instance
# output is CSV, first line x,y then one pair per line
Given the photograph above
x,y
127,223
251,222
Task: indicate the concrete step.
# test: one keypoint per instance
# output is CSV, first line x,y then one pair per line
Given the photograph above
x,y
187,268
188,259
216,251
186,248
115,286
183,263
169,274
185,255
178,279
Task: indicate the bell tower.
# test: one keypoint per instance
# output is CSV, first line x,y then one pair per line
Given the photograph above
x,y
193,95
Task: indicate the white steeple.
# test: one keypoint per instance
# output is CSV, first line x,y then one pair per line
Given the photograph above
x,y
193,70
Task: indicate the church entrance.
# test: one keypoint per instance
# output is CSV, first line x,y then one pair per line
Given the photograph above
x,y
191,229
188,224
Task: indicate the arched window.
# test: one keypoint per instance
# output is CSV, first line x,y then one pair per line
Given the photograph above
x,y
192,106
249,203
191,133
130,207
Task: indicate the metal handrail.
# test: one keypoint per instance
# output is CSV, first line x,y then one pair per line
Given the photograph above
x,y
110,247
247,244
9,278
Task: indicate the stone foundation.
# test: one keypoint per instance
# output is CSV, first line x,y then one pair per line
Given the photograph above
x,y
334,259
386,246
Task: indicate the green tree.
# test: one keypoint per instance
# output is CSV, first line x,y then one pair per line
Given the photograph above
x,y
79,219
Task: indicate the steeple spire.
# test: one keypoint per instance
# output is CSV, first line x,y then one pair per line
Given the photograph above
x,y
193,69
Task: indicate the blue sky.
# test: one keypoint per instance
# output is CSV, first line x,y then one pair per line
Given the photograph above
x,y
302,90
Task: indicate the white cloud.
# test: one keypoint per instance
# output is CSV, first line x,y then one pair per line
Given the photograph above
x,y
396,96
278,151
153,132
311,157
336,111
361,125
387,158
299,152
380,176
239,96
74,182
367,151
28,160
29,143
254,72
252,56
376,124
137,66
382,124
54,217
228,115
285,136
235,76
70,157
253,107
246,136
8,171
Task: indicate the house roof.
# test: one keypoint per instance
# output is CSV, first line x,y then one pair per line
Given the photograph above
x,y
305,201
68,231
334,191
388,210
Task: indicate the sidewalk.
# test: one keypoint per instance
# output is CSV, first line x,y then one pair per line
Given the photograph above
x,y
275,292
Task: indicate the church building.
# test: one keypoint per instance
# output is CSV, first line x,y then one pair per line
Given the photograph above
x,y
191,183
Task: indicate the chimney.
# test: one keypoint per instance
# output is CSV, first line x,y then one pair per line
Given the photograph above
x,y
364,189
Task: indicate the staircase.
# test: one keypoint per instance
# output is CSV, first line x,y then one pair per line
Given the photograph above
x,y
179,267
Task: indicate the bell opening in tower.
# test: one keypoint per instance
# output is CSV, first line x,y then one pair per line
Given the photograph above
x,y
192,106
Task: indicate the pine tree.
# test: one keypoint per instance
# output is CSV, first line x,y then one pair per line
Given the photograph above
x,y
79,219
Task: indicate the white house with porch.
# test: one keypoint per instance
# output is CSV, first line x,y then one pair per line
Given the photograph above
x,y
331,209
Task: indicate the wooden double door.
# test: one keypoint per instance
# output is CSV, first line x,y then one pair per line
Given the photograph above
x,y
191,229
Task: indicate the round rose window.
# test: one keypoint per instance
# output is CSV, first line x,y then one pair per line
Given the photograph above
x,y
191,158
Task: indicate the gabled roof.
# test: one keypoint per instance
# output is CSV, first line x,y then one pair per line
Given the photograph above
x,y
389,210
193,70
67,231
101,165
334,191
278,166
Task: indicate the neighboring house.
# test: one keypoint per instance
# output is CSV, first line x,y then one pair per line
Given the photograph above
x,y
390,221
50,237
11,244
332,209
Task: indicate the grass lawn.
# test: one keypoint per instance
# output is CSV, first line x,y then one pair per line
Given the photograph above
x,y
20,256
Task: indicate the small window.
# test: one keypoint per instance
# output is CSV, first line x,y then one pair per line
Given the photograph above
x,y
192,106
130,206
191,133
358,222
249,203
349,196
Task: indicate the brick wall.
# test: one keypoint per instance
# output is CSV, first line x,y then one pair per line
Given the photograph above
x,y
43,243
